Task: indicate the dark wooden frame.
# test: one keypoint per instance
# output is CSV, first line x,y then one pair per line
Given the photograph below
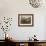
x,y
27,24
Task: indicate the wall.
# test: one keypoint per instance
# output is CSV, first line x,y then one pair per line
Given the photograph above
x,y
11,8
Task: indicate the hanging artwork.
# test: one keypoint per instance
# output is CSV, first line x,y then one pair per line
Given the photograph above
x,y
25,20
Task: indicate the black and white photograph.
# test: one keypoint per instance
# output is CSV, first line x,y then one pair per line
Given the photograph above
x,y
25,19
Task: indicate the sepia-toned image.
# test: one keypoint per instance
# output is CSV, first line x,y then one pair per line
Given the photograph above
x,y
25,20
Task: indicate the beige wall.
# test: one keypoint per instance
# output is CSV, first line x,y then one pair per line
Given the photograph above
x,y
11,8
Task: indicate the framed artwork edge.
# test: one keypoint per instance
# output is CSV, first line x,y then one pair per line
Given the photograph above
x,y
27,24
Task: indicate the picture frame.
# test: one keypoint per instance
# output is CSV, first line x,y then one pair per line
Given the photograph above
x,y
26,20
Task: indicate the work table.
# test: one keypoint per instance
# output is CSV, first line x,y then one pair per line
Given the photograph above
x,y
23,42
29,41
44,41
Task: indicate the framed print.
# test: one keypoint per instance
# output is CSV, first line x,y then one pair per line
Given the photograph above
x,y
25,20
